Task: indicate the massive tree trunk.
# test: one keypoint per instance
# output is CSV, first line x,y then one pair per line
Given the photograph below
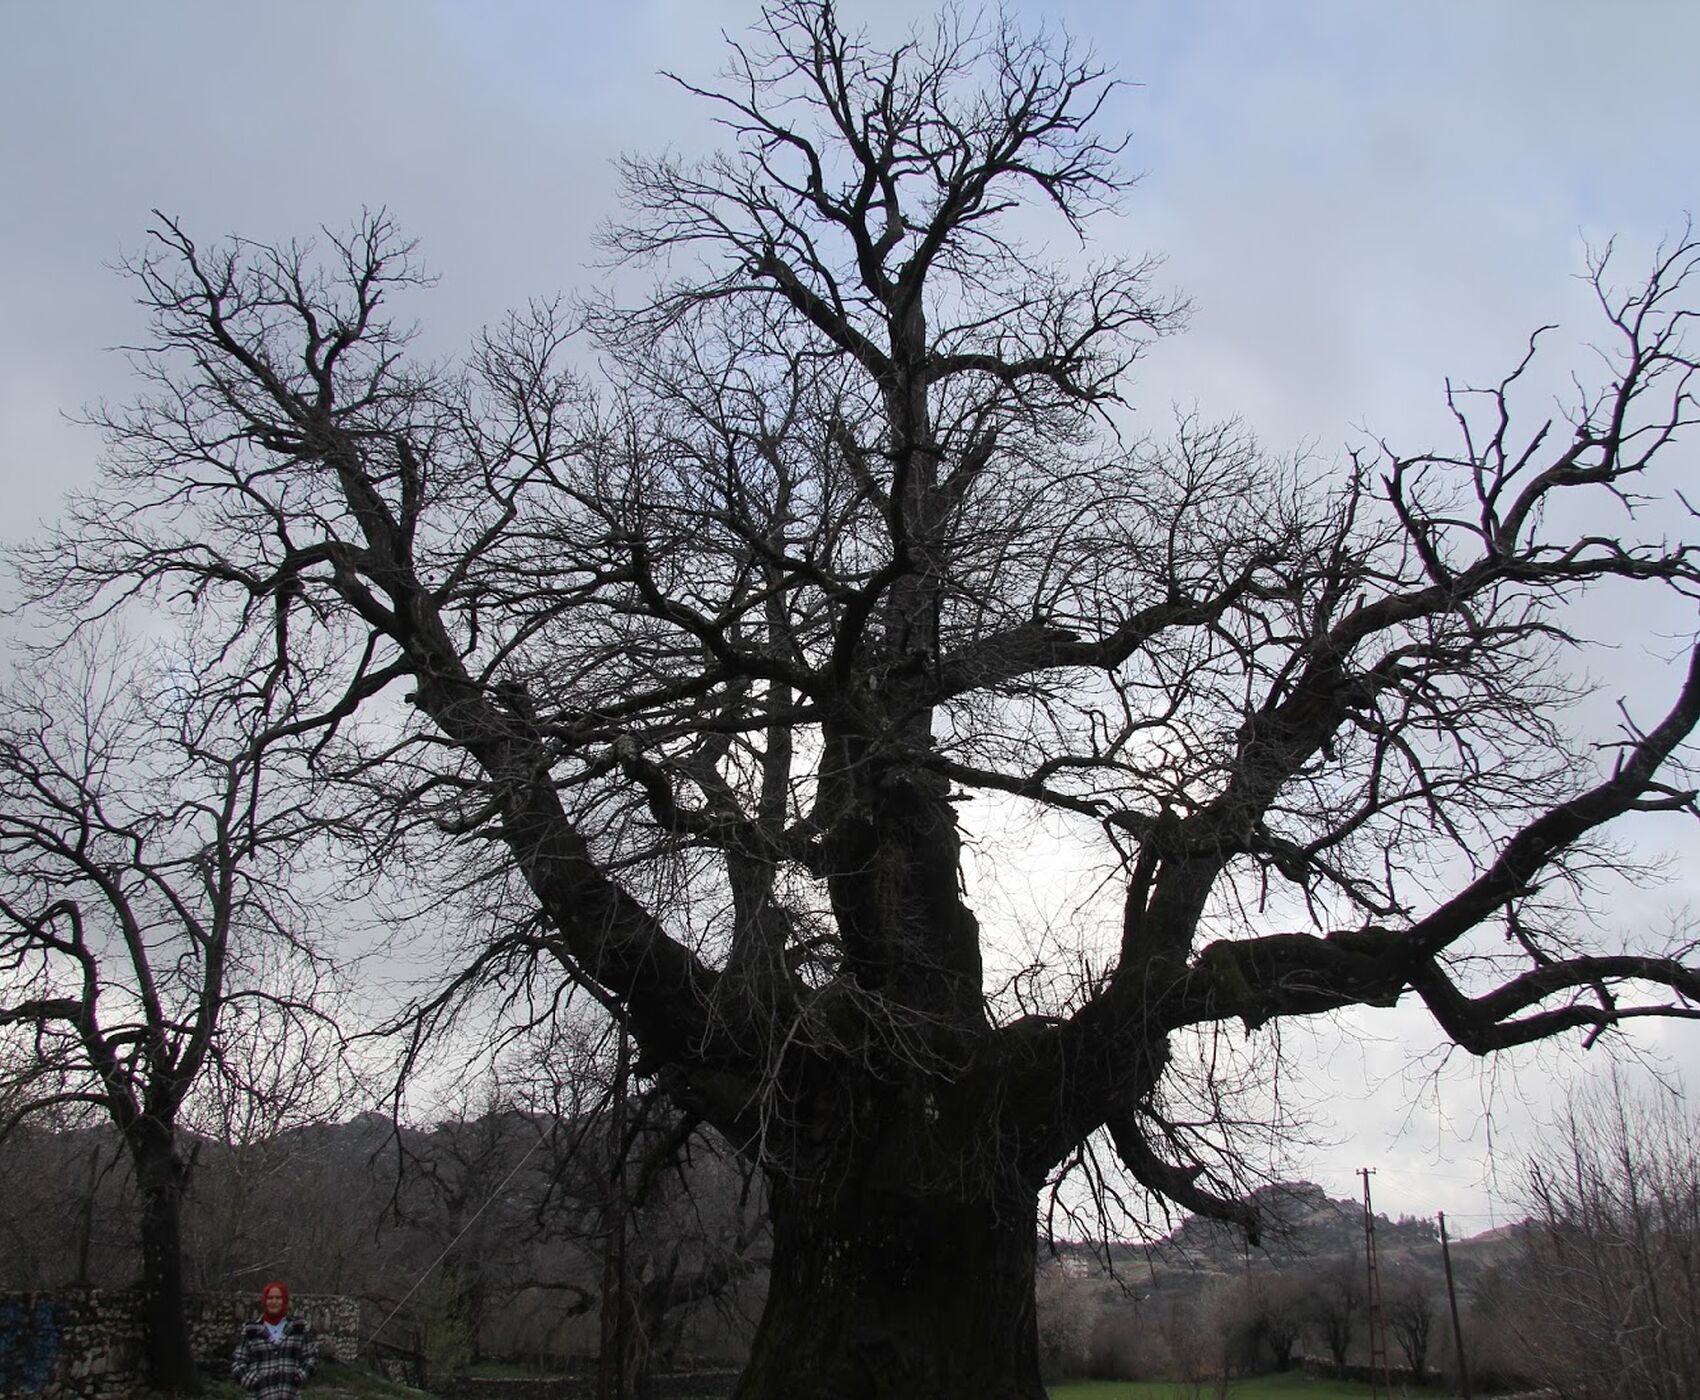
x,y
161,1178
894,1281
904,1218
904,1228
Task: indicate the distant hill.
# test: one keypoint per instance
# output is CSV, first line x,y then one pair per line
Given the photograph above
x,y
1299,1220
1303,1227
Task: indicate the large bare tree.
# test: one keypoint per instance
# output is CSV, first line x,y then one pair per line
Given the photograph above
x,y
150,943
713,657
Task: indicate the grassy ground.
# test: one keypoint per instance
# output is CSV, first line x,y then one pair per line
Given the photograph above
x,y
357,1383
1291,1386
331,1381
334,1382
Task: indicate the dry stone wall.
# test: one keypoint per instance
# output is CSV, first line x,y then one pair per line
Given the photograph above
x,y
86,1343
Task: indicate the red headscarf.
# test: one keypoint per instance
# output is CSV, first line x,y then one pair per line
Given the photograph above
x,y
283,1306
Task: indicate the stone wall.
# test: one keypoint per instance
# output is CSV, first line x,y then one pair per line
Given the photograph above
x,y
216,1318
86,1343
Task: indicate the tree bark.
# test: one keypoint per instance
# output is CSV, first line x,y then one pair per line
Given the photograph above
x,y
161,1178
884,1293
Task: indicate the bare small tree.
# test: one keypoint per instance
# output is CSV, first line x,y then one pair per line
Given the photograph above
x,y
1336,1301
532,1182
68,1205
1606,1298
147,928
697,680
1411,1316
1280,1307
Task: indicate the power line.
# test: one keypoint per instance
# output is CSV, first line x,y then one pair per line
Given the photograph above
x,y
473,1220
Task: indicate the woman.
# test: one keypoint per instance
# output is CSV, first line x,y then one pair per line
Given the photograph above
x,y
277,1353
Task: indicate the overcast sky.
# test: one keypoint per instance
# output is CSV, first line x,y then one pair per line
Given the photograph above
x,y
1360,198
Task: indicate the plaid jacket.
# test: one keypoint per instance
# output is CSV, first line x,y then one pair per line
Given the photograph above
x,y
270,1370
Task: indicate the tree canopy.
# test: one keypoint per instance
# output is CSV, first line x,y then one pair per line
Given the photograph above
x,y
687,663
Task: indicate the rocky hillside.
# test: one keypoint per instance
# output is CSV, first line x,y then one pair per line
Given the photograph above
x,y
1305,1229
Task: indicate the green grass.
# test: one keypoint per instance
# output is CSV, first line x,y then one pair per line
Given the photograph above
x,y
330,1379
505,1371
358,1381
1289,1386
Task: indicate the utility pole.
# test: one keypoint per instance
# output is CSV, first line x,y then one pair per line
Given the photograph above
x,y
1452,1298
611,1363
1380,1382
